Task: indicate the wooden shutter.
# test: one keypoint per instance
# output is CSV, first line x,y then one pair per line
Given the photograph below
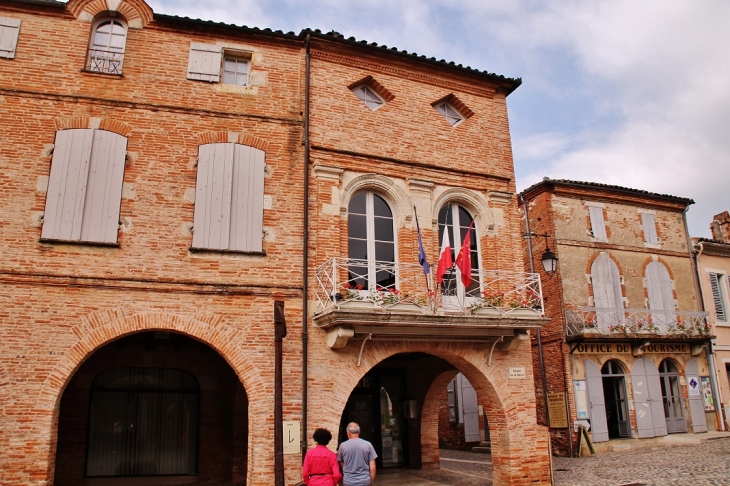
x,y
648,405
649,224
597,403
606,283
247,200
661,296
717,297
598,225
67,183
204,62
211,224
104,187
451,400
9,29
471,411
696,402
460,398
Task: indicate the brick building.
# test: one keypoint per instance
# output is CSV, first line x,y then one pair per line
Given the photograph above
x,y
155,171
713,268
626,348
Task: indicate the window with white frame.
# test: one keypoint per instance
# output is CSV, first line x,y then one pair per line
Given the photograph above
x,y
368,96
719,295
370,242
106,50
215,64
85,186
456,220
648,223
598,224
229,198
450,113
9,29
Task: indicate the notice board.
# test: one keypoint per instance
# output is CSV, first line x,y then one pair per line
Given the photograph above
x,y
557,417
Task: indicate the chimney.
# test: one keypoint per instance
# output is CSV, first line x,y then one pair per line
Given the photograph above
x,y
720,227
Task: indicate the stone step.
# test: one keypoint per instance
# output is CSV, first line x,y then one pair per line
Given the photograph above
x,y
482,449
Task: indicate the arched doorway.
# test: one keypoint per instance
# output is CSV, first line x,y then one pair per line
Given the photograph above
x,y
153,407
672,397
617,404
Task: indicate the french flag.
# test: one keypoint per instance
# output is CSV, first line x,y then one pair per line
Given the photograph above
x,y
445,259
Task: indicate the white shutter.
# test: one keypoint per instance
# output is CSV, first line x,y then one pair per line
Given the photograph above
x,y
598,225
104,187
211,223
649,224
648,404
247,200
717,297
204,62
471,412
597,403
606,283
67,183
696,402
9,29
451,400
661,296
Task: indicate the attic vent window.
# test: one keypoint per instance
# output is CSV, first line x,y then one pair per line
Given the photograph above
x,y
371,99
451,114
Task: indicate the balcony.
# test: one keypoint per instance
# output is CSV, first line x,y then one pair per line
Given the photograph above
x,y
108,62
406,304
592,322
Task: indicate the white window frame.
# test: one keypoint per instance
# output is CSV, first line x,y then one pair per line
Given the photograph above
x,y
454,119
719,284
107,58
363,91
238,60
9,32
207,62
649,227
598,222
461,300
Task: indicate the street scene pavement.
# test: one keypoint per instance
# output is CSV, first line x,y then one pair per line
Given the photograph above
x,y
694,464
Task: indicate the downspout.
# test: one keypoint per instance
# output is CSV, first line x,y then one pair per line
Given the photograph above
x,y
709,355
305,251
539,335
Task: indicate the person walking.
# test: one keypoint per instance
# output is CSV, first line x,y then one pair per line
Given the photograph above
x,y
320,466
357,459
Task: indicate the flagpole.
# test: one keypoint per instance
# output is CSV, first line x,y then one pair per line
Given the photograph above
x,y
418,229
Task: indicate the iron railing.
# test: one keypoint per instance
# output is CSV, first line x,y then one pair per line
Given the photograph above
x,y
616,321
100,61
345,282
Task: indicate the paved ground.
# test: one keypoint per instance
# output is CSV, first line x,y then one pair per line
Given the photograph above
x,y
695,464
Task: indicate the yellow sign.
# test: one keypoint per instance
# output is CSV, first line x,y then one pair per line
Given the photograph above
x,y
556,411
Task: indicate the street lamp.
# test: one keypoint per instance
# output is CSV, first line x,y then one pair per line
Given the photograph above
x,y
549,260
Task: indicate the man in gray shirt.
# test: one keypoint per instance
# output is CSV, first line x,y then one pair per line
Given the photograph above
x,y
357,459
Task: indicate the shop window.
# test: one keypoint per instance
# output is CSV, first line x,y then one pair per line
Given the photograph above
x,y
106,51
229,198
143,422
85,186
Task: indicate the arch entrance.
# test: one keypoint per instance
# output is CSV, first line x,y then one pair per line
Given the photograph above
x,y
153,408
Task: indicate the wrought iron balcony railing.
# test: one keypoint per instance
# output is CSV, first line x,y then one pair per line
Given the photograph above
x,y
618,322
344,283
104,61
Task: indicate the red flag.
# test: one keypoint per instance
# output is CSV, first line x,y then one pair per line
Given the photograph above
x,y
445,260
463,259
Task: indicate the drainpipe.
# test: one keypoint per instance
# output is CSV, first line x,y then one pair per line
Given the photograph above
x,y
305,251
709,355
539,336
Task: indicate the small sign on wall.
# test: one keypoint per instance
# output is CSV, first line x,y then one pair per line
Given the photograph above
x,y
517,373
292,434
581,401
557,416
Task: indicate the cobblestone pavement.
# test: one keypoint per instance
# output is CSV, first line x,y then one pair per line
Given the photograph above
x,y
703,464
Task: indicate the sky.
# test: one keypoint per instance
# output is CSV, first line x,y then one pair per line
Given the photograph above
x,y
630,93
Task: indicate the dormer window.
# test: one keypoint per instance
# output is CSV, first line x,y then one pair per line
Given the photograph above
x,y
451,114
106,51
368,96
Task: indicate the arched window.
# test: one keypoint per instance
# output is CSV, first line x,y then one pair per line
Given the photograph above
x,y
370,242
607,297
106,50
456,220
661,295
143,422
672,397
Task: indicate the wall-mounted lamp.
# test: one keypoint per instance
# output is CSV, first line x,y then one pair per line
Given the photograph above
x,y
548,259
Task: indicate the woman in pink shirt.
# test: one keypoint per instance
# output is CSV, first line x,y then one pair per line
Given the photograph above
x,y
320,464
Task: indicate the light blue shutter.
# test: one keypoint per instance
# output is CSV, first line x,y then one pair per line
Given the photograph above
x,y
606,283
67,183
696,402
471,411
104,187
596,402
598,225
211,223
648,405
204,62
247,200
649,224
717,297
9,29
661,296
